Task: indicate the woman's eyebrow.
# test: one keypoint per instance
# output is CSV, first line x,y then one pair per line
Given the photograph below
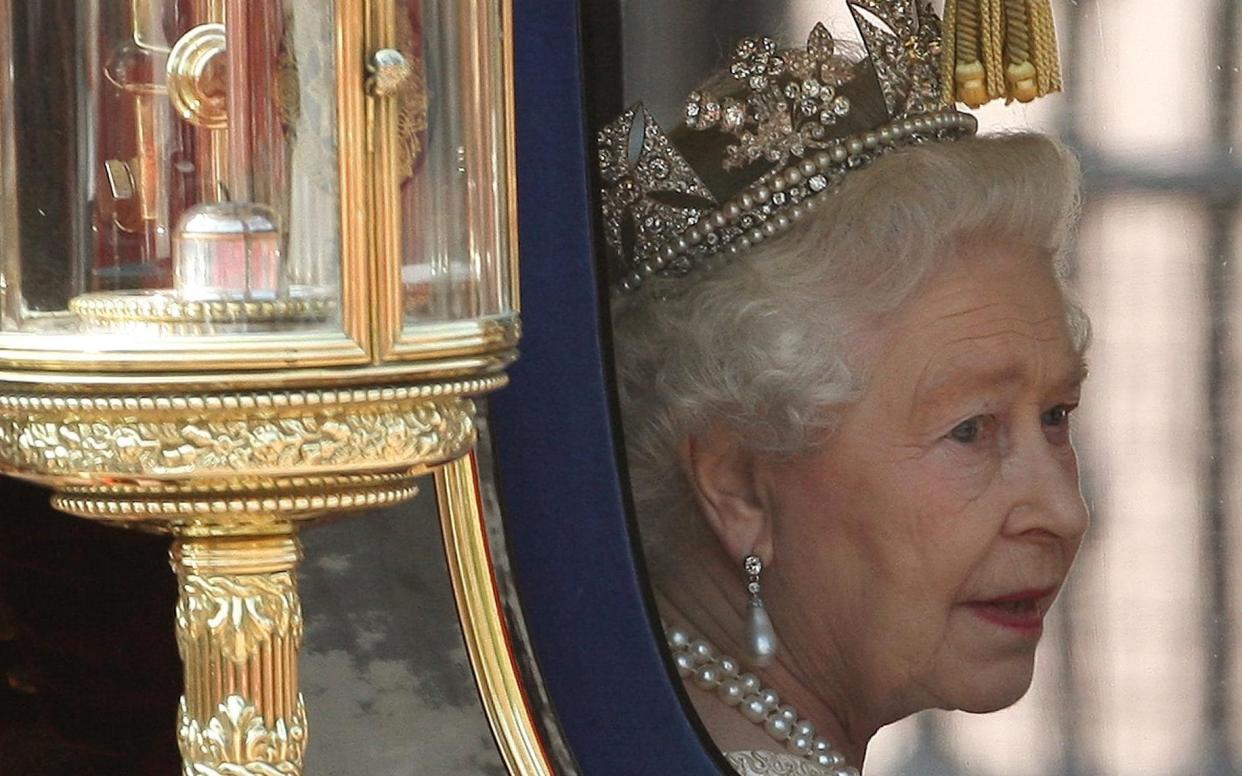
x,y
1078,374
947,381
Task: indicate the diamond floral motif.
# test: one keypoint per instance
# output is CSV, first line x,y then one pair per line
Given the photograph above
x,y
817,61
814,100
791,97
755,61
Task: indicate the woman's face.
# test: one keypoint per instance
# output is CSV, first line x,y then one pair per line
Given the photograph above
x,y
915,554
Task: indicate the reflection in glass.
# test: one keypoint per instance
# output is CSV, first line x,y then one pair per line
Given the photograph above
x,y
385,671
161,147
385,667
454,195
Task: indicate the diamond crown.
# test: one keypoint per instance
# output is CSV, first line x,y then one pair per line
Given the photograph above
x,y
788,124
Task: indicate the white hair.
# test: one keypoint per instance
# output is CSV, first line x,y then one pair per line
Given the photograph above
x,y
761,347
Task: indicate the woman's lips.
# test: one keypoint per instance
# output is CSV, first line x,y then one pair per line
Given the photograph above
x,y
1022,612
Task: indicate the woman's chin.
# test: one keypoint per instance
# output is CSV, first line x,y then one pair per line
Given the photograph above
x,y
993,689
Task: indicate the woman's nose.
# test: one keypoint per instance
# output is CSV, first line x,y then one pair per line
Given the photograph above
x,y
1048,500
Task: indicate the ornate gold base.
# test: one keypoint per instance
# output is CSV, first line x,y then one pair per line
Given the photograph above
x,y
239,631
230,475
218,440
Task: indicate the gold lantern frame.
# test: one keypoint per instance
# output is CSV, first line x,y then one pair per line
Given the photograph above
x,y
229,442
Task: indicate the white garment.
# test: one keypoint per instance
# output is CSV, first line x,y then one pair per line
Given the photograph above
x,y
761,763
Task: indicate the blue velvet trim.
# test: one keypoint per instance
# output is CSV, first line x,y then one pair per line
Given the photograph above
x,y
569,537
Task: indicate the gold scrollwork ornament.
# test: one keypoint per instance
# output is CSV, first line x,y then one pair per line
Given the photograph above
x,y
237,741
432,430
240,613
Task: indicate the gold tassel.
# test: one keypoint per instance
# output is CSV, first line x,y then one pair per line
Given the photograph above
x,y
1019,69
999,49
1044,37
963,73
992,26
948,54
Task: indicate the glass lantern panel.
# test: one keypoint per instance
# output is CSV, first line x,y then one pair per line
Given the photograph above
x,y
453,162
168,168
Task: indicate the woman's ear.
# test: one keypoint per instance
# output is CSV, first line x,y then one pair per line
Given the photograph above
x,y
724,477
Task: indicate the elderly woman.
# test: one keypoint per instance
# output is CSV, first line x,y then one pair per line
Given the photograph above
x,y
849,443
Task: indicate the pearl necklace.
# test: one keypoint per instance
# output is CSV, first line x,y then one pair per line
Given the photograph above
x,y
700,662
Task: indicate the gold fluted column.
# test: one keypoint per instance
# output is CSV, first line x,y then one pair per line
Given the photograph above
x,y
239,631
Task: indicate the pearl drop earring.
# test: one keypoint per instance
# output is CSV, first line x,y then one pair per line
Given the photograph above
x,y
760,639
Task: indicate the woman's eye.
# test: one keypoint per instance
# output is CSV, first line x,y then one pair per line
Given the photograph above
x,y
967,431
1057,416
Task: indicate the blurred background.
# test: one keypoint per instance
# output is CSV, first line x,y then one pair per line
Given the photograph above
x,y
1140,672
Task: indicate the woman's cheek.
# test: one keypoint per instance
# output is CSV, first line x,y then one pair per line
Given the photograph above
x,y
962,472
